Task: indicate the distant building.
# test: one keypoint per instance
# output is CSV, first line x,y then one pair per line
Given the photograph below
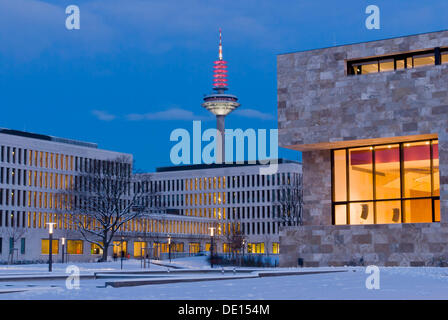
x,y
35,169
230,198
371,120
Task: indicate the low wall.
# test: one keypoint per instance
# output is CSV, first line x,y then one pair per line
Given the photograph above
x,y
382,245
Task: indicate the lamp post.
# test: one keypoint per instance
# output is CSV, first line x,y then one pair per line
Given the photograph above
x,y
212,245
244,245
63,247
122,254
169,247
50,246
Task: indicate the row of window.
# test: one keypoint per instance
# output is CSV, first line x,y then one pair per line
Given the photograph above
x,y
393,183
215,198
220,182
240,181
51,160
76,247
33,199
236,213
398,61
45,200
38,179
258,247
236,197
22,219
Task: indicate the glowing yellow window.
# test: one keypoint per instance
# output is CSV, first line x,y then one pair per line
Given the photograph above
x,y
119,247
139,248
45,246
275,248
74,246
95,249
424,60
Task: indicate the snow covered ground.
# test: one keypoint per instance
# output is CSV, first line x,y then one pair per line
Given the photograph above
x,y
85,267
191,262
395,283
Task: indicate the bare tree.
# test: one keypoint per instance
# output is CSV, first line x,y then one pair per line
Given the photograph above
x,y
290,201
105,197
15,234
234,241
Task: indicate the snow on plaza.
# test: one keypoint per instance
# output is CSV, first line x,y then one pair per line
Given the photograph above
x,y
315,283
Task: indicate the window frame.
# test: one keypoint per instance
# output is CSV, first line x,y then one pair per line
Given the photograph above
x,y
436,52
402,199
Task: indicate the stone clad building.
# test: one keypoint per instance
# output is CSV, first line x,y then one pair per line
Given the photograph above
x,y
370,119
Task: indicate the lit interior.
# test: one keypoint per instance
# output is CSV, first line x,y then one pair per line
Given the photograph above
x,y
397,183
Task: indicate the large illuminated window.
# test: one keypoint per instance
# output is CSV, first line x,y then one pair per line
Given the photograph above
x,y
45,244
395,183
194,247
119,247
139,248
74,246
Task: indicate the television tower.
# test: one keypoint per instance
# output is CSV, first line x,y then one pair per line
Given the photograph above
x,y
219,102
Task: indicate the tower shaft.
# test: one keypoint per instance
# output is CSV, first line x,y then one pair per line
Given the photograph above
x,y
220,139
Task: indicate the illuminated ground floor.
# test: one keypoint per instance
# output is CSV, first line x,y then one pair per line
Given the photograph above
x,y
156,237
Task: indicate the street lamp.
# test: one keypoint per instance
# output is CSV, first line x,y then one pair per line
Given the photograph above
x,y
122,253
169,247
50,240
244,246
63,247
212,245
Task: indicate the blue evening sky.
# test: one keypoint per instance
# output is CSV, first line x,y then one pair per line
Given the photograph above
x,y
136,70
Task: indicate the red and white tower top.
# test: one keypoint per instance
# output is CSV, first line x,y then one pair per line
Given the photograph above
x,y
219,102
220,69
